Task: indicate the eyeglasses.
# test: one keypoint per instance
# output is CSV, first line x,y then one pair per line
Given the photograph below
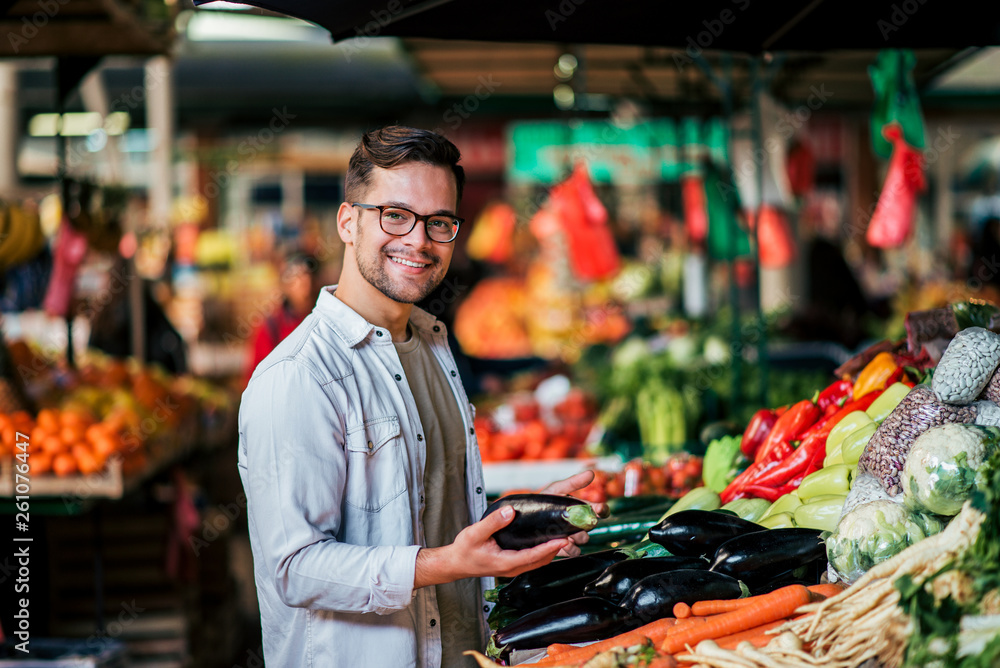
x,y
399,222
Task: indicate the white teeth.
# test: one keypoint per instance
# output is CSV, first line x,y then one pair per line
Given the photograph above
x,y
407,262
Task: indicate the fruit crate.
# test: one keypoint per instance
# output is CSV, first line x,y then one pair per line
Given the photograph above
x,y
108,484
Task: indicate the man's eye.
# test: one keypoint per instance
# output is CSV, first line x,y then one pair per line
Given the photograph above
x,y
393,216
442,223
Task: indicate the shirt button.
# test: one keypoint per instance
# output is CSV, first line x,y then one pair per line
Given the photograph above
x,y
453,374
437,328
398,377
420,437
472,431
486,608
378,333
434,622
421,498
479,490
370,446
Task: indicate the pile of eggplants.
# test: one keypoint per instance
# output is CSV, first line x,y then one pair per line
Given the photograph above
x,y
599,595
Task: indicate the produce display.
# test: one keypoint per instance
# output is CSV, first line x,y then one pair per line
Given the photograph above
x,y
679,475
890,474
105,411
520,428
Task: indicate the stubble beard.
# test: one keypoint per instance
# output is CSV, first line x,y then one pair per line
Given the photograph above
x,y
374,272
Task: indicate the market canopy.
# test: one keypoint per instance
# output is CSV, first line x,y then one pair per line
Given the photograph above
x,y
716,25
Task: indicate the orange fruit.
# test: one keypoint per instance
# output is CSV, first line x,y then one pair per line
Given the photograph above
x,y
76,418
48,419
104,446
71,435
52,445
64,464
85,460
40,463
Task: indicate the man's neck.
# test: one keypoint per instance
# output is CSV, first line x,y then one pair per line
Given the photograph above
x,y
365,300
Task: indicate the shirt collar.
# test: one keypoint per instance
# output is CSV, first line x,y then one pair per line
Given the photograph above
x,y
353,328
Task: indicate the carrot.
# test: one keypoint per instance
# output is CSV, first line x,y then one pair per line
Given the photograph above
x,y
559,648
662,662
828,590
765,608
757,636
705,608
682,610
655,631
688,621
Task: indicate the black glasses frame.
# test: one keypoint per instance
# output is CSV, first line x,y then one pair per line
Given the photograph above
x,y
416,218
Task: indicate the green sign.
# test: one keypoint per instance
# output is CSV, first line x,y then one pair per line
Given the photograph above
x,y
647,152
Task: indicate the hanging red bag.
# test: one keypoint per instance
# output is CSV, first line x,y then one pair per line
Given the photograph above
x,y
892,221
777,246
592,251
695,208
70,249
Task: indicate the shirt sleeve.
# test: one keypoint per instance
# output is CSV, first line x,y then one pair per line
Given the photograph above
x,y
293,466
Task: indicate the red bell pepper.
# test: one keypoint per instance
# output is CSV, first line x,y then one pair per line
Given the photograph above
x,y
757,430
790,427
794,464
830,421
835,394
771,494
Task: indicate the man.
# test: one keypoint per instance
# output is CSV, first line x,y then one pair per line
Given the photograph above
x,y
357,450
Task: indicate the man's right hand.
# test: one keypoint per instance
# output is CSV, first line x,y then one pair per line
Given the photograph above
x,y
475,554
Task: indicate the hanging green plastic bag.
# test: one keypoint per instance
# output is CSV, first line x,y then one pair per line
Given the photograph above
x,y
896,100
726,239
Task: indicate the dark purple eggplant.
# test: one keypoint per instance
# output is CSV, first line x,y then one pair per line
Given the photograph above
x,y
539,518
759,557
618,578
581,619
557,581
654,596
699,533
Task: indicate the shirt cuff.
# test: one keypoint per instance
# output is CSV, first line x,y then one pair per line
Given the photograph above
x,y
391,582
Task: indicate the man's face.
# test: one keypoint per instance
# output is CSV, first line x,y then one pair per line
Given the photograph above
x,y
405,269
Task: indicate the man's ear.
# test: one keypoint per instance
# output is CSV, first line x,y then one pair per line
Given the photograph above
x,y
345,222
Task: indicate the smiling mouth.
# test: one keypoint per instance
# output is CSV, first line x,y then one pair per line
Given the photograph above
x,y
409,263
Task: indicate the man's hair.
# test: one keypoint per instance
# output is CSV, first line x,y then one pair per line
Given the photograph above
x,y
396,145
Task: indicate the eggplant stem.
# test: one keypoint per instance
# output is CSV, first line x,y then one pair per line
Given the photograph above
x,y
582,516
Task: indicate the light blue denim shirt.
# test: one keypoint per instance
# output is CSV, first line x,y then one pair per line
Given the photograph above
x,y
333,473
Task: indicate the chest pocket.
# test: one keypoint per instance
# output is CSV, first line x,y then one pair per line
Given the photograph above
x,y
374,464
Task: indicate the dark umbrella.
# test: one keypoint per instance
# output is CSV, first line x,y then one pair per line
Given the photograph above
x,y
746,26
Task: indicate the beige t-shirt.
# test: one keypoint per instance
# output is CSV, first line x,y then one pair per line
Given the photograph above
x,y
446,510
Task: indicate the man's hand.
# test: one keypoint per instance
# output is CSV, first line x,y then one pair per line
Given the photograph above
x,y
571,484
475,554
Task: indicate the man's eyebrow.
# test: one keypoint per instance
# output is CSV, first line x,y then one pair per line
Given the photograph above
x,y
404,205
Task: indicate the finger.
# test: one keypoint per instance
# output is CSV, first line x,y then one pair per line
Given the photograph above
x,y
492,523
571,551
580,538
572,483
602,509
540,553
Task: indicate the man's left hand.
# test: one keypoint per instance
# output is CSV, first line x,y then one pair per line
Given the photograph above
x,y
567,486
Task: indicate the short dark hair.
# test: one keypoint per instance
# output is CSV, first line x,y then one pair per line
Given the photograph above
x,y
395,145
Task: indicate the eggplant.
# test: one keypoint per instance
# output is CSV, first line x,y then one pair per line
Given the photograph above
x,y
618,578
696,533
654,596
539,518
557,580
759,557
581,619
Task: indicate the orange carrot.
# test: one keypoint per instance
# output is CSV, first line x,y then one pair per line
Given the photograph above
x,y
655,631
687,621
757,635
559,648
682,610
765,608
703,608
662,661
828,590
